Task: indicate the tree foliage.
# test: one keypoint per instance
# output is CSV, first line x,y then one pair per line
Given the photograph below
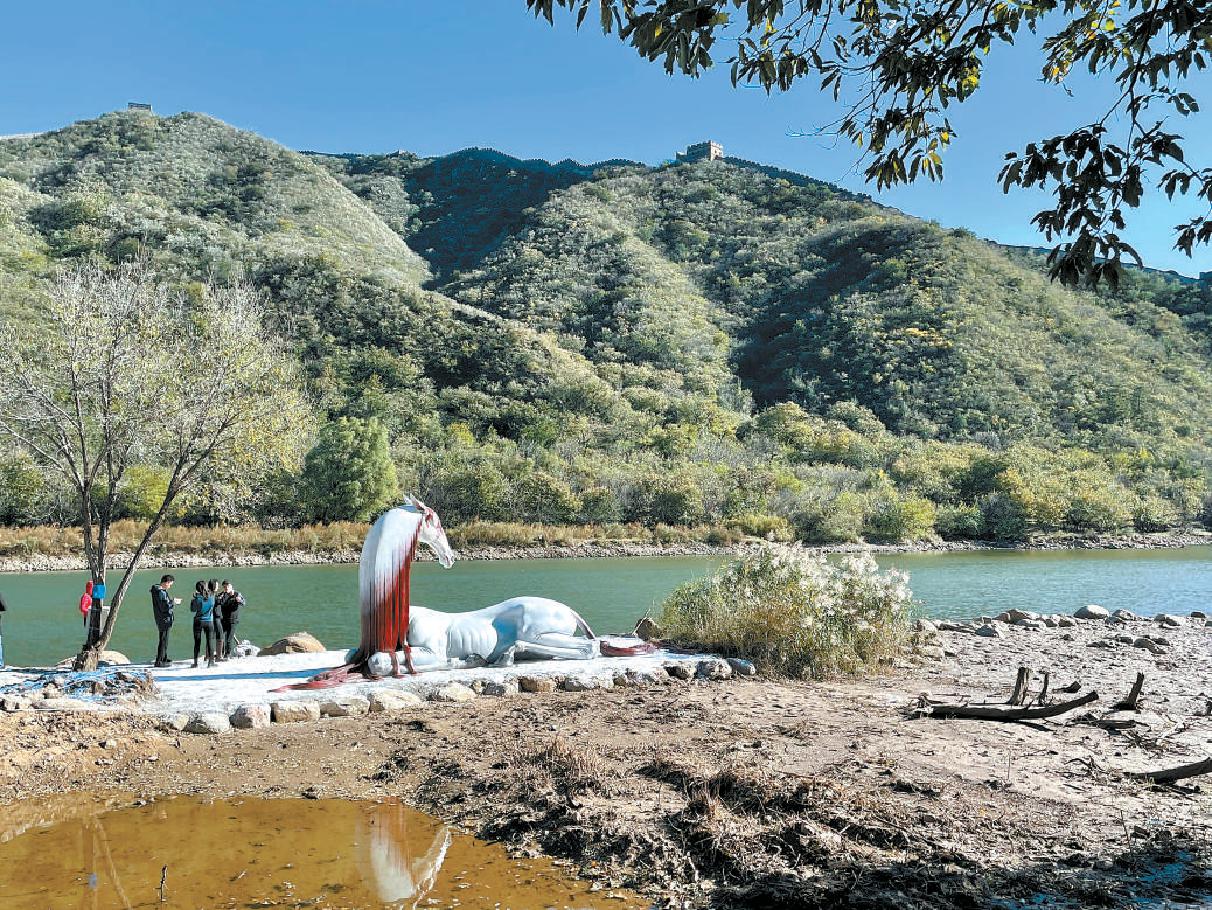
x,y
899,69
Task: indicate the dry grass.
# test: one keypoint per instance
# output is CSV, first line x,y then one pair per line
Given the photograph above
x,y
347,536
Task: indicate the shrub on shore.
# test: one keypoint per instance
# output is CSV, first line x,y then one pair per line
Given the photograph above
x,y
794,612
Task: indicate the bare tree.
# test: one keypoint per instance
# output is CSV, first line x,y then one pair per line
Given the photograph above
x,y
112,369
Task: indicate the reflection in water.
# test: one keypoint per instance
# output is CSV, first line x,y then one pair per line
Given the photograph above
x,y
81,852
398,873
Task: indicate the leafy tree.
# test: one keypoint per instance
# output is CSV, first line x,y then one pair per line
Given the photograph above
x,y
901,67
117,369
349,475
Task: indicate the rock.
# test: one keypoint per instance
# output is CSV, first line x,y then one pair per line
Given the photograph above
x,y
1002,617
742,667
648,630
1101,643
62,704
948,626
294,712
1125,616
1148,644
1031,625
388,700
989,631
1198,614
348,706
713,668
1125,639
925,627
112,659
680,669
1157,639
537,684
250,717
642,678
1068,636
505,689
209,724
298,643
1168,620
584,683
1017,616
12,703
1091,611
1051,622
174,723
452,692
932,652
1065,622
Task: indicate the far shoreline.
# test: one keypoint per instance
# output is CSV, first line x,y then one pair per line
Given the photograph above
x,y
179,559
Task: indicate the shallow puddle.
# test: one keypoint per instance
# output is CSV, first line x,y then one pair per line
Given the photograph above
x,y
80,852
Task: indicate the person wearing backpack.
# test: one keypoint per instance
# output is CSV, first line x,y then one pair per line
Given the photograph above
x,y
203,608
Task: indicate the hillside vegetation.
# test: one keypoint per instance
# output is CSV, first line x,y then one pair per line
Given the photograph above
x,y
708,344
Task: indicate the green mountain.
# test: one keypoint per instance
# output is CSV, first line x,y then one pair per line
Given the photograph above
x,y
712,342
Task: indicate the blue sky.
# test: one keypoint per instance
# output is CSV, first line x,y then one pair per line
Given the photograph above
x,y
433,76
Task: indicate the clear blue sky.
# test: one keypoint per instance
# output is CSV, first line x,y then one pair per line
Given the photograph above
x,y
433,76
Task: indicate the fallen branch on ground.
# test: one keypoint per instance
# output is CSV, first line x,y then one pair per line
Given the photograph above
x,y
1133,700
1170,775
995,712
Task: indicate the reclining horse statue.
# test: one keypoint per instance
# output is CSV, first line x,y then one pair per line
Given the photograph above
x,y
427,639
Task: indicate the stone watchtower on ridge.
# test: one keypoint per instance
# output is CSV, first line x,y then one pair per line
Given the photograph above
x,y
702,151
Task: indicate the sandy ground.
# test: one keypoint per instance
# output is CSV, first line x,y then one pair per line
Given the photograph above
x,y
755,792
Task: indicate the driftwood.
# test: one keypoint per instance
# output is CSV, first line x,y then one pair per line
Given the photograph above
x,y
996,712
1171,775
1132,702
1021,684
1107,723
1042,698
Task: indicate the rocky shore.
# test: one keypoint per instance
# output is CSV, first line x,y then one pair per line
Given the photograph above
x,y
756,792
183,560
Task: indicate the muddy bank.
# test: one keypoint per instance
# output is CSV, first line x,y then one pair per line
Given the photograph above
x,y
180,560
754,792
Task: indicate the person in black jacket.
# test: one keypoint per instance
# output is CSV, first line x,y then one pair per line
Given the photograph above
x,y
228,605
162,610
3,610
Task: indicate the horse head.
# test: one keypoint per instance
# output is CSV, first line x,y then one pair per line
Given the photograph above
x,y
431,532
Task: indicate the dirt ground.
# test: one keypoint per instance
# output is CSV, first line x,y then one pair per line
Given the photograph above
x,y
752,792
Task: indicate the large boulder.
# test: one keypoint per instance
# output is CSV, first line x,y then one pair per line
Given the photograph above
x,y
452,692
210,723
537,684
112,659
295,712
250,717
713,668
1091,611
346,706
388,700
298,643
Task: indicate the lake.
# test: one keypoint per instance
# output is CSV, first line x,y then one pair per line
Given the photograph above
x,y
43,624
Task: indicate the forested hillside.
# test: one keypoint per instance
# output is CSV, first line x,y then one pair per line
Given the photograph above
x,y
715,345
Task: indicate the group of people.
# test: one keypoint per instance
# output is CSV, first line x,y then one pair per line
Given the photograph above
x,y
215,606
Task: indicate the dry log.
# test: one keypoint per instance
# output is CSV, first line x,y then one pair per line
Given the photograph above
x,y
1021,683
1133,700
995,712
1171,775
1043,692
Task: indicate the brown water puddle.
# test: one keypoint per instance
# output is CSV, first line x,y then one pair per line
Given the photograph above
x,y
86,853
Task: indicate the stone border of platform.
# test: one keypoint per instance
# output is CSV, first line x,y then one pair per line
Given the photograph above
x,y
259,715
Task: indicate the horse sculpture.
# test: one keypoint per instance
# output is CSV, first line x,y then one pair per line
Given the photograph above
x,y
431,640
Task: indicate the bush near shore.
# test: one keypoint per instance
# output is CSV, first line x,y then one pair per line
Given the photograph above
x,y
795,613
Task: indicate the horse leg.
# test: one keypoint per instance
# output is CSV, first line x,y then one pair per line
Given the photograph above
x,y
558,646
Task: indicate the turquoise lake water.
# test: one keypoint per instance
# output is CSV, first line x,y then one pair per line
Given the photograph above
x,y
42,625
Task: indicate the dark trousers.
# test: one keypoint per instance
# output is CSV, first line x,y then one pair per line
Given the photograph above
x,y
206,628
218,627
231,619
162,648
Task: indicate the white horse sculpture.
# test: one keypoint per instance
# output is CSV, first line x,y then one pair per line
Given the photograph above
x,y
394,630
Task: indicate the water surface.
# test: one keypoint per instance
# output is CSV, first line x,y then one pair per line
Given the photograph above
x,y
74,851
42,625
